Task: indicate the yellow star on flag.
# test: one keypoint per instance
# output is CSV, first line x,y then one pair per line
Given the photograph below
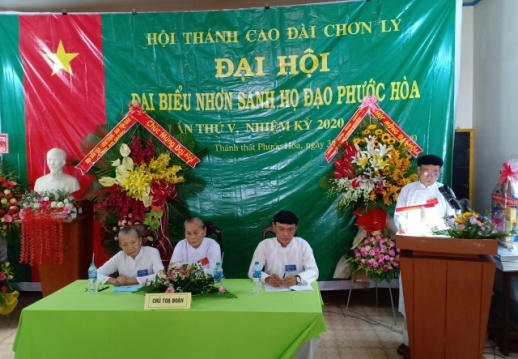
x,y
61,59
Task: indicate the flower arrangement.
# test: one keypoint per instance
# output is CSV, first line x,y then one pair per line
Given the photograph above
x,y
42,218
8,289
141,185
377,256
185,277
62,204
10,194
139,182
371,170
470,225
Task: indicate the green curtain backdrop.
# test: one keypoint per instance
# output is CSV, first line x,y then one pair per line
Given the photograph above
x,y
266,91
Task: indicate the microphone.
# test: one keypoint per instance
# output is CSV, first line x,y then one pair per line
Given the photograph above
x,y
450,197
465,205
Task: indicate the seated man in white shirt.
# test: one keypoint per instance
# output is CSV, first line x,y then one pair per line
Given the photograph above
x,y
286,260
196,248
135,264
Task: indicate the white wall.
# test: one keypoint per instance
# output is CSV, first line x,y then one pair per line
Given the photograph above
x,y
464,109
495,89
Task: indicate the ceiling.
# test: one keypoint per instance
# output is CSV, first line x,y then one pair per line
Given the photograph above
x,y
73,6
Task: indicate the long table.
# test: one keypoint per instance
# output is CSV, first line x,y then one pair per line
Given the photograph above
x,y
71,323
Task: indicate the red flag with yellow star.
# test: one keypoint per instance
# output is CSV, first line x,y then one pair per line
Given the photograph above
x,y
64,85
64,90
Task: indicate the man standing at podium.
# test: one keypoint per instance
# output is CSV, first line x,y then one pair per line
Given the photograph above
x,y
421,206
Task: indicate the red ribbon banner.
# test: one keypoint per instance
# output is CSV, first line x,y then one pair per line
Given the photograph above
x,y
132,117
346,132
413,148
106,143
165,137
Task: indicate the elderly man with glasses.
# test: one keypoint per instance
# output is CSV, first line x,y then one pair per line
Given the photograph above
x,y
423,200
420,207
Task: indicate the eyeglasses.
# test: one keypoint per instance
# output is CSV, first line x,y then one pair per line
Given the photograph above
x,y
430,174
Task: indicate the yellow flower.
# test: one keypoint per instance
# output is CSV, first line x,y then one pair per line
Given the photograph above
x,y
371,127
386,138
357,140
378,132
137,183
366,132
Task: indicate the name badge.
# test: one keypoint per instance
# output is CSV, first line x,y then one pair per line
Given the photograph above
x,y
204,261
290,267
142,273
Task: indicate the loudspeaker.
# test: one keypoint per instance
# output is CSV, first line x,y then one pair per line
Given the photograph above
x,y
462,168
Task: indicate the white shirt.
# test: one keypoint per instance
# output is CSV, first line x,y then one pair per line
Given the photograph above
x,y
207,254
147,263
296,258
416,193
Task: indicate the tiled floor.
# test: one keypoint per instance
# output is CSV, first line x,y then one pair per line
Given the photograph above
x,y
364,331
9,324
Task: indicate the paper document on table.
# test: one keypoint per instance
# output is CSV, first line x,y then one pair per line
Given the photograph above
x,y
127,288
299,287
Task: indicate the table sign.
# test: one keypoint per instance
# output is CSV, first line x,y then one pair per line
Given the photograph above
x,y
167,301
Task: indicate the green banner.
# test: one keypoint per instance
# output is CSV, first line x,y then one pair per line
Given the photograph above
x,y
267,90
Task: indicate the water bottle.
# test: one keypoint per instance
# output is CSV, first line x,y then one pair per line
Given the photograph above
x,y
92,278
218,274
256,277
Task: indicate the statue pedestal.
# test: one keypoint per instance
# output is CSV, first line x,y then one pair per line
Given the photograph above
x,y
77,255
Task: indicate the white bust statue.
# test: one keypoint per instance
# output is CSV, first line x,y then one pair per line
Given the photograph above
x,y
56,180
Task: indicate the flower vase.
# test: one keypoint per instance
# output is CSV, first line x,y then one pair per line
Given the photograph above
x,y
374,219
10,300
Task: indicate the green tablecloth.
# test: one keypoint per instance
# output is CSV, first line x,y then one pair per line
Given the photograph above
x,y
71,323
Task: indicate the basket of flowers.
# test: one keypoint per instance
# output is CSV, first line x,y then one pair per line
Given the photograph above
x,y
8,289
10,195
370,171
186,278
376,256
470,225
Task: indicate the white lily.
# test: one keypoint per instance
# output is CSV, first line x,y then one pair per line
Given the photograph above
x,y
147,200
128,163
107,181
125,150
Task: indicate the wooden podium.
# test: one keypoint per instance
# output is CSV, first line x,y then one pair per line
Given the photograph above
x,y
447,286
77,255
